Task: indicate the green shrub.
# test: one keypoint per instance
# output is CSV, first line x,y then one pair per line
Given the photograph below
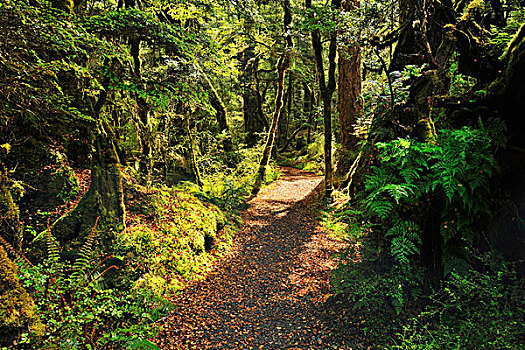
x,y
478,310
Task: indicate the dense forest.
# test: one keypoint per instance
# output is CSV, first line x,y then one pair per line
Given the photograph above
x,y
134,132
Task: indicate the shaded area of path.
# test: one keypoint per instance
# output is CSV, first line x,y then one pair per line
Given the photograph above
x,y
269,294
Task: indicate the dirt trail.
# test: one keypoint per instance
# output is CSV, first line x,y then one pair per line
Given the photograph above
x,y
270,294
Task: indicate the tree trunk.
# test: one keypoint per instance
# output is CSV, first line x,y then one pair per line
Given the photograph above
x,y
308,111
143,111
326,92
348,93
10,225
193,155
220,109
288,103
282,66
105,196
252,104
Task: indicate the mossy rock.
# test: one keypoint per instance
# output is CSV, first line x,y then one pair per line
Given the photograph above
x,y
17,308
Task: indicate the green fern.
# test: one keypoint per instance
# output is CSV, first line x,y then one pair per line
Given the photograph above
x,y
82,263
53,250
405,241
381,208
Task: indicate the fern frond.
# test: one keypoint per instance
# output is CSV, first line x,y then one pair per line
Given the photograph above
x,y
81,265
411,174
398,191
53,249
405,241
381,207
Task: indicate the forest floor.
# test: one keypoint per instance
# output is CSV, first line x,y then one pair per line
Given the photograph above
x,y
271,292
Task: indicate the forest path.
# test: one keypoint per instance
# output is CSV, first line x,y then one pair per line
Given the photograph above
x,y
270,293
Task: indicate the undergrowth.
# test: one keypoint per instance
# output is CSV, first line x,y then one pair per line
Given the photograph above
x,y
173,238
439,192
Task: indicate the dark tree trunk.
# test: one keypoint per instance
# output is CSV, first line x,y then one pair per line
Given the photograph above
x,y
507,93
422,31
254,122
326,93
431,253
288,103
308,111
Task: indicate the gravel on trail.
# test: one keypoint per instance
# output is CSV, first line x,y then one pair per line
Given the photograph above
x,y
270,293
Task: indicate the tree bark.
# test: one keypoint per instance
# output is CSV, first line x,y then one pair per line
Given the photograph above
x,y
105,195
326,93
254,122
282,66
348,93
143,111
220,109
193,155
10,225
308,111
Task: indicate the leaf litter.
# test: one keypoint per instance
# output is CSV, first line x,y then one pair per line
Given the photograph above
x,y
271,291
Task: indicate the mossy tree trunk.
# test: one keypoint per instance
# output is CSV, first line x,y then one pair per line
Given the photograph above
x,y
308,105
143,112
254,120
193,155
220,109
326,90
105,196
10,225
508,91
17,309
282,66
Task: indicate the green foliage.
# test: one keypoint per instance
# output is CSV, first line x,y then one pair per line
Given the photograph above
x,y
483,309
177,243
380,294
455,170
404,241
78,311
229,186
